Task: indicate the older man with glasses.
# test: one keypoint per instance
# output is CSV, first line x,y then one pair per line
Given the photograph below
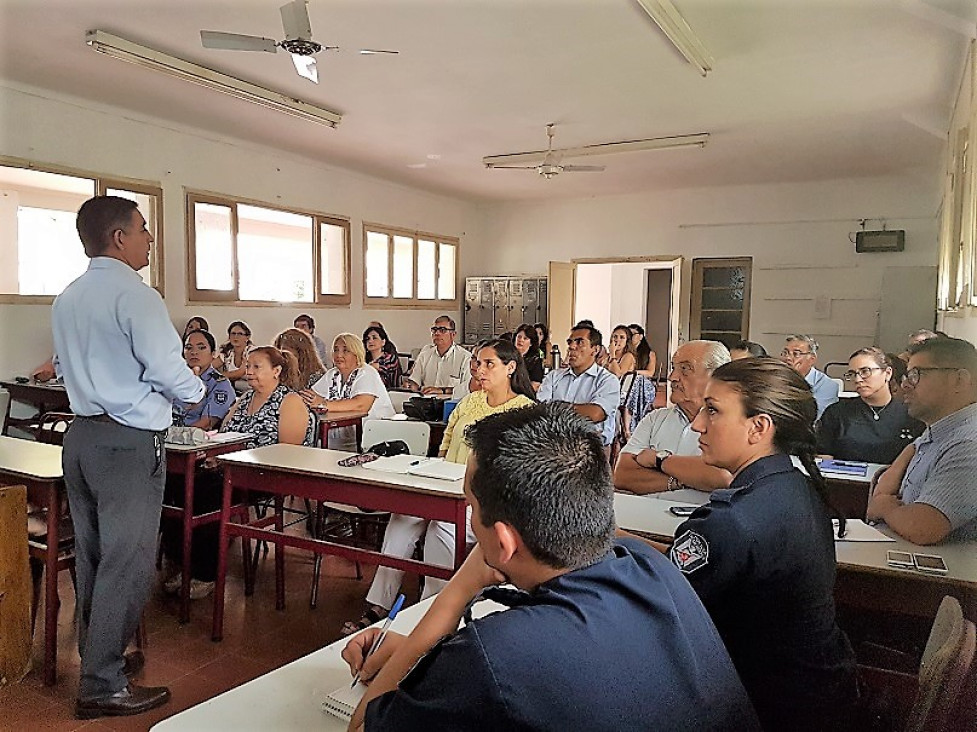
x,y
801,353
441,366
927,494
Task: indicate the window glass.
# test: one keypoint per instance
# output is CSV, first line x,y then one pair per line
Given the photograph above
x,y
426,282
403,266
333,257
446,271
49,253
377,265
214,247
274,250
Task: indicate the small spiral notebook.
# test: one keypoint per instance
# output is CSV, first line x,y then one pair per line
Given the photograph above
x,y
342,702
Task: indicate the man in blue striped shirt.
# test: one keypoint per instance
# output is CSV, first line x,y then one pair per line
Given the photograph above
x,y
122,366
927,495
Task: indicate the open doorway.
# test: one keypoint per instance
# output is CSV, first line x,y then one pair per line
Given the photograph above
x,y
635,290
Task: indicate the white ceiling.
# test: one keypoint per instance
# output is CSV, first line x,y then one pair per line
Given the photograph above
x,y
801,89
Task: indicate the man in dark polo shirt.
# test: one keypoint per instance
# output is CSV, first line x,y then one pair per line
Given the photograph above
x,y
603,634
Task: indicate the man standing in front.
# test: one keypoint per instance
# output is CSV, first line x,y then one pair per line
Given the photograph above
x,y
927,494
663,453
122,366
594,392
441,366
801,353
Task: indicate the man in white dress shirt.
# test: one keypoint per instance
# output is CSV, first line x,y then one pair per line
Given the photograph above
x,y
123,368
441,366
663,452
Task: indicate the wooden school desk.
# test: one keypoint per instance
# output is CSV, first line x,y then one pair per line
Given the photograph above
x,y
864,578
45,397
38,466
313,473
183,460
289,698
329,420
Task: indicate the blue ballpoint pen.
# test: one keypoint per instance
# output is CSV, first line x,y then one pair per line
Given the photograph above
x,y
399,603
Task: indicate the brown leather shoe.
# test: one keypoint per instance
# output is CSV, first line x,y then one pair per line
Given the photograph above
x,y
131,700
134,663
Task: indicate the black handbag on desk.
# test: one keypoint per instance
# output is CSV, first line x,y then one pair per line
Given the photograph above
x,y
426,409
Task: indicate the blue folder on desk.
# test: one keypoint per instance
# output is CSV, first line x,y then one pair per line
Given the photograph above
x,y
845,467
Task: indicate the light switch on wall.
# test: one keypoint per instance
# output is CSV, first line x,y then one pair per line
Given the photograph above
x,y
822,307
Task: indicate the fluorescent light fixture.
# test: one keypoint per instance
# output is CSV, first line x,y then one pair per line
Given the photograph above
x,y
607,148
149,58
673,25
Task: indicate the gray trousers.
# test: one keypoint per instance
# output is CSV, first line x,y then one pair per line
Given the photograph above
x,y
115,477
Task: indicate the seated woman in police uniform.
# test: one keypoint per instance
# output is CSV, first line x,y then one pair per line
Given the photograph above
x,y
199,349
761,553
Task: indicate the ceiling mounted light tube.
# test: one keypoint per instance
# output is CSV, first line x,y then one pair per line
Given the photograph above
x,y
673,25
149,58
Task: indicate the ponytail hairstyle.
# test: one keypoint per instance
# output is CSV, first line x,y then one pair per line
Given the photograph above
x,y
769,386
286,360
507,353
642,351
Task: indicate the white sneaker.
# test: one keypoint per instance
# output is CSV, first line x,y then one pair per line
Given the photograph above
x,y
200,589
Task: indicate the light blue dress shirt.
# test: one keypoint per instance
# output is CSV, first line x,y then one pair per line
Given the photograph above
x,y
941,473
596,385
824,388
117,349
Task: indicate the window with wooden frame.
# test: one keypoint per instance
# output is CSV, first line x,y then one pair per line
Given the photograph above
x,y
408,267
248,252
954,229
721,299
40,247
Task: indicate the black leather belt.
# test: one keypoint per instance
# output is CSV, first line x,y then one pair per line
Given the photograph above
x,y
98,418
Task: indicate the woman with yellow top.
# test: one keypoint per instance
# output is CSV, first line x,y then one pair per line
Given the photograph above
x,y
505,385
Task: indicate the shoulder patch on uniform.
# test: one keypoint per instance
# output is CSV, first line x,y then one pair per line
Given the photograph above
x,y
220,397
690,552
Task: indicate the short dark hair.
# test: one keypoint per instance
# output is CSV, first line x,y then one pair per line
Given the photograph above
x,y
947,351
754,349
594,335
308,320
207,337
100,217
541,469
450,320
201,321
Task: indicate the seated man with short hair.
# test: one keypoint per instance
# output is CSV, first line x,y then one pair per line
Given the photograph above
x,y
442,364
801,353
605,635
663,453
927,494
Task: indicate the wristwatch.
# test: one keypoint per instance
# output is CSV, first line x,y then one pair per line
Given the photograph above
x,y
660,456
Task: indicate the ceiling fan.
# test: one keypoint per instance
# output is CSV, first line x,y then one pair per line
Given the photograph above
x,y
298,41
549,163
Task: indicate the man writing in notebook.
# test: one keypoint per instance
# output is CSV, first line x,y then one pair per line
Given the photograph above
x,y
603,634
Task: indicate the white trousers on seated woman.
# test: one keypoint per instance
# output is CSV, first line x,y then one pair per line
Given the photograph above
x,y
399,540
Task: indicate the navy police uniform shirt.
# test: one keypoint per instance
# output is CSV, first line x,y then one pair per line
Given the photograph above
x,y
761,556
623,644
217,402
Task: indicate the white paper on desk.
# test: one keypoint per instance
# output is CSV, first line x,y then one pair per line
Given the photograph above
x,y
421,466
227,436
395,463
342,701
858,530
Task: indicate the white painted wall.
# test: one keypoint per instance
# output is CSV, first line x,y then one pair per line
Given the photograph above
x,y
41,127
595,288
797,234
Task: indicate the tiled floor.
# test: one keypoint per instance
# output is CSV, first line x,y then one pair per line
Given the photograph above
x,y
257,639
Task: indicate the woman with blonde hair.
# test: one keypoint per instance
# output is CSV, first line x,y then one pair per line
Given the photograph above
x,y
310,367
350,386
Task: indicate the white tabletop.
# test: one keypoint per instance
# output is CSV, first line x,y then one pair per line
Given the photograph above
x,y
290,697
36,460
219,440
317,462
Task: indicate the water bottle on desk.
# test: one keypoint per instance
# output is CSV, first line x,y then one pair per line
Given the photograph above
x,y
555,353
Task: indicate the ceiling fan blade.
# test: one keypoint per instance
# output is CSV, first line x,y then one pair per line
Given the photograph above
x,y
375,51
295,20
305,67
583,168
511,167
496,161
626,146
236,42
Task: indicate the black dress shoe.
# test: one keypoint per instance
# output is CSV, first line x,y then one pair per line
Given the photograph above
x,y
134,663
131,700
